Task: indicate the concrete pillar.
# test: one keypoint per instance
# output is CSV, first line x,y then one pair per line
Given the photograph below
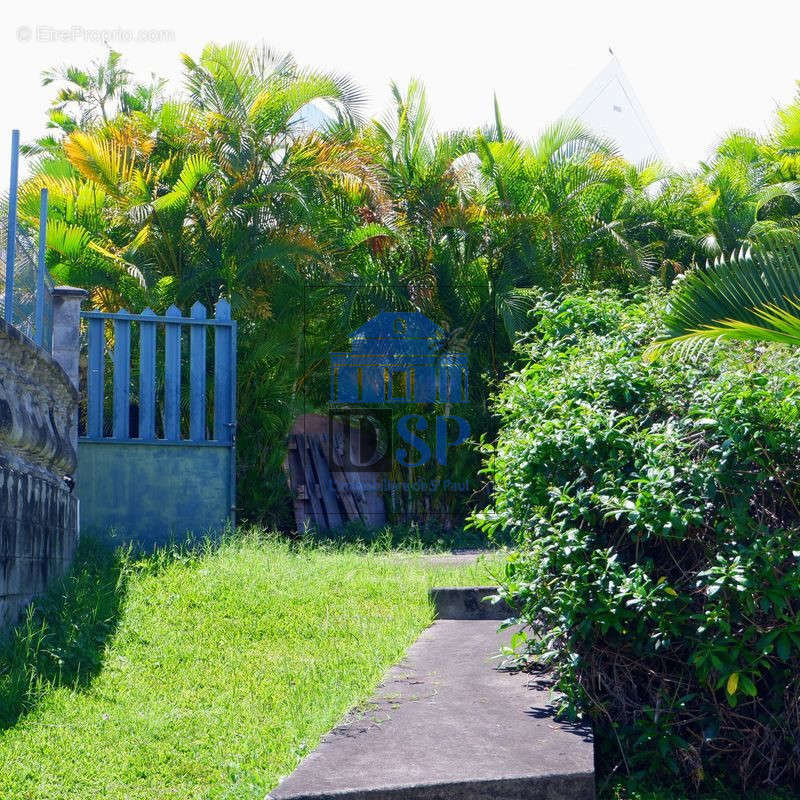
x,y
67,327
66,338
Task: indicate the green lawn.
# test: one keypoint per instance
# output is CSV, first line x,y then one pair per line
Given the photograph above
x,y
203,675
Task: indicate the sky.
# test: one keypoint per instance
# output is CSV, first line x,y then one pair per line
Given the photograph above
x,y
699,68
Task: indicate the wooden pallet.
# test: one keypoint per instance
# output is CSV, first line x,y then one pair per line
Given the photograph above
x,y
325,495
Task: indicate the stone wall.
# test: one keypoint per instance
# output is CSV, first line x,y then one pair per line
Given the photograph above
x,y
38,435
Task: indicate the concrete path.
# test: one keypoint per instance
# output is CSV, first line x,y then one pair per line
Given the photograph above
x,y
447,725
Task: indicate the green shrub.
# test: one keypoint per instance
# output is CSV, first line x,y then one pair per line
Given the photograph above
x,y
655,512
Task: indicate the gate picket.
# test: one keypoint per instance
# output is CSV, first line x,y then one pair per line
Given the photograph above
x,y
172,376
122,376
222,374
147,377
95,379
197,376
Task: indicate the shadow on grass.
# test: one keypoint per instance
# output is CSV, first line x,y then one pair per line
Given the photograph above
x,y
61,639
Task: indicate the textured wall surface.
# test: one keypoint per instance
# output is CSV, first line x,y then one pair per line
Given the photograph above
x,y
38,514
152,493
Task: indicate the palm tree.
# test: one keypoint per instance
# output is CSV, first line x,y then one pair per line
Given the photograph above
x,y
740,198
223,193
748,204
753,295
204,193
90,94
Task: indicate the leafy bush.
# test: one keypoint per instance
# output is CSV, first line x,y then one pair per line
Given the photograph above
x,y
655,511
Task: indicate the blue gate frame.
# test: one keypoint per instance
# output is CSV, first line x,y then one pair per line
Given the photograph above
x,y
147,469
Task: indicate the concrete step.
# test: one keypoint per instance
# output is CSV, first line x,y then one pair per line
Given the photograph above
x,y
468,602
447,724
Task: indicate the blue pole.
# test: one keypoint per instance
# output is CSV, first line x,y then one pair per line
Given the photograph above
x,y
39,319
11,245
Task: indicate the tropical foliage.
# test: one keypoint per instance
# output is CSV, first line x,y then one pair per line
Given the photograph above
x,y
215,196
655,511
259,181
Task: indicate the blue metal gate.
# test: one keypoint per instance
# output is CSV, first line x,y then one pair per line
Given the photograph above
x,y
157,456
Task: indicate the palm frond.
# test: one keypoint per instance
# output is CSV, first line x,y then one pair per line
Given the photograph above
x,y
754,295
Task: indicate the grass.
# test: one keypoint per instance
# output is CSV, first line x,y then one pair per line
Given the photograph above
x,y
413,537
204,674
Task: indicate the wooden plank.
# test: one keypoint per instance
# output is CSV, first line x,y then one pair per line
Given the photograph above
x,y
122,377
172,376
147,376
294,470
353,479
370,500
223,357
310,483
306,512
197,376
95,379
346,496
342,487
368,503
325,482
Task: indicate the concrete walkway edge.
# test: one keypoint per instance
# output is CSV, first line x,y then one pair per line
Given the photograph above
x,y
447,724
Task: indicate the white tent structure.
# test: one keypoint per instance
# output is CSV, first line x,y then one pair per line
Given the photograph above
x,y
312,117
609,106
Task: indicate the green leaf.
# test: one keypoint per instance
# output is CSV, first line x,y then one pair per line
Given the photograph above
x,y
747,686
